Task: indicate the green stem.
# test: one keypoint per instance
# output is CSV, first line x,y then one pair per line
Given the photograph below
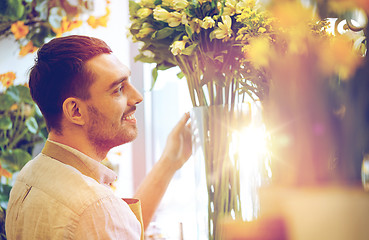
x,y
17,138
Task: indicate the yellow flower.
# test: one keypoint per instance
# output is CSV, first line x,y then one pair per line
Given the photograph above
x,y
177,47
19,30
258,52
7,79
224,29
184,18
242,5
174,19
261,30
179,4
229,8
101,21
14,107
161,14
5,173
207,22
147,3
67,25
28,48
144,12
204,1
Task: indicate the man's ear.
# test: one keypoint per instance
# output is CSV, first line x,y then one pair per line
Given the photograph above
x,y
72,109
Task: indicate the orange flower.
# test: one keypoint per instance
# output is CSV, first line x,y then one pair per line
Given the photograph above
x,y
14,107
101,21
5,173
19,29
28,48
67,26
7,79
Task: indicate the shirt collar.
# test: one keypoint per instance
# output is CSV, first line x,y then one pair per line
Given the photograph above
x,y
83,163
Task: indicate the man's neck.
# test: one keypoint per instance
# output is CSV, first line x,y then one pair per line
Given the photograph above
x,y
78,142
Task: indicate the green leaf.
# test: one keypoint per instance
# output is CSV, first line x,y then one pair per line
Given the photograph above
x,y
32,125
189,50
13,92
154,77
43,134
24,94
180,75
163,66
4,192
38,111
162,33
14,160
133,7
14,10
212,35
38,37
5,123
188,31
3,141
6,101
145,59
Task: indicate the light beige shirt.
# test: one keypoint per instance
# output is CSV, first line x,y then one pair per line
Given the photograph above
x,y
68,198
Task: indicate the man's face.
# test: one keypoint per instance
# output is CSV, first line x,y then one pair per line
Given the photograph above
x,y
111,107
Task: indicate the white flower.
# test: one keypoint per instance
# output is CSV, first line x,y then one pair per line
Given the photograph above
x,y
241,5
147,3
224,29
144,12
184,18
161,14
179,4
177,47
174,19
229,8
207,22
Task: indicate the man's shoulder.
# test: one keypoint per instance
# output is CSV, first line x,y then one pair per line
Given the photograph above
x,y
61,183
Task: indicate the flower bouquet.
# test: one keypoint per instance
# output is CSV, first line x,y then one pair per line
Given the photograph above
x,y
206,40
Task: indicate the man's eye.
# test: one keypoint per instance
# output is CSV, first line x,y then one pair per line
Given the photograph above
x,y
120,89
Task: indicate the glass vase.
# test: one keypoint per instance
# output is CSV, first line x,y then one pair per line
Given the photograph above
x,y
228,170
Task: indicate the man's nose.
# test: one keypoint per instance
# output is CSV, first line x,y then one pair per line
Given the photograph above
x,y
134,96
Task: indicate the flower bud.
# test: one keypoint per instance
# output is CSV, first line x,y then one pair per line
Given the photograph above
x,y
177,47
207,22
161,14
144,12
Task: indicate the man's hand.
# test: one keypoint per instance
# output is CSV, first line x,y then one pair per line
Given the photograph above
x,y
176,152
178,147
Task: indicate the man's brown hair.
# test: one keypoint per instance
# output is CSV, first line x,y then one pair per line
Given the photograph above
x,y
59,72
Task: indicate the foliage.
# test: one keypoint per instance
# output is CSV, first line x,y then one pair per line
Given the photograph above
x,y
32,22
205,39
21,128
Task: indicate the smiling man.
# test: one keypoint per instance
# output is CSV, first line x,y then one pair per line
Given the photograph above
x,y
88,102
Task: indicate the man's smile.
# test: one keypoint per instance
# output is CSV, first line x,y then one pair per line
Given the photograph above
x,y
130,117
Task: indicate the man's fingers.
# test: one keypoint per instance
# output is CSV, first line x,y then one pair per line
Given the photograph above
x,y
182,122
